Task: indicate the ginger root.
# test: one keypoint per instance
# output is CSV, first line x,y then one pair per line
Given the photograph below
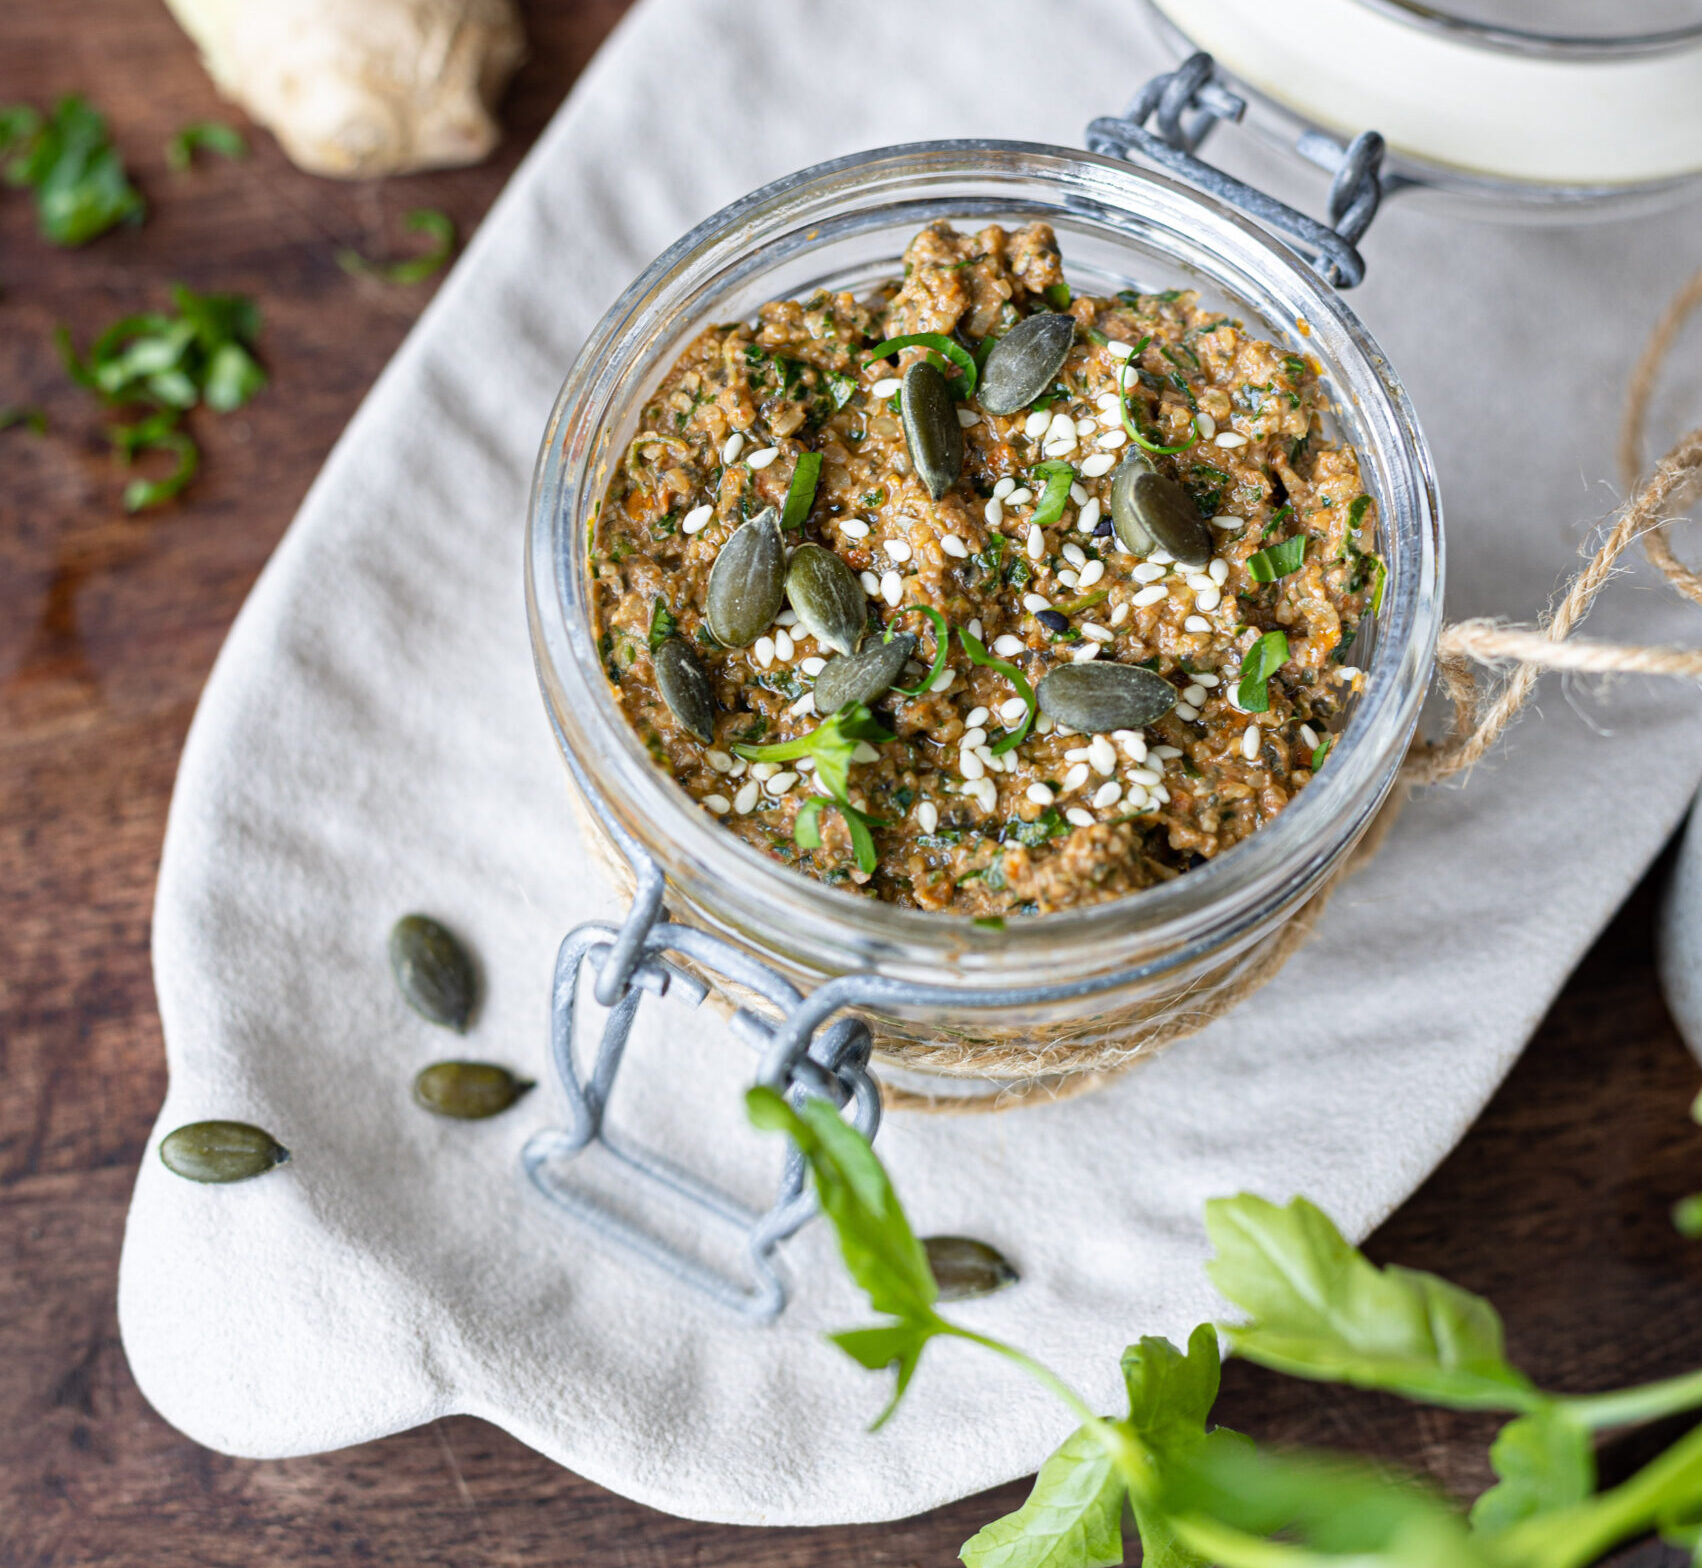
x,y
353,88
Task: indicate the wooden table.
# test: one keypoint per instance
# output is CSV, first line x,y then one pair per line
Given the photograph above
x,y
1555,1205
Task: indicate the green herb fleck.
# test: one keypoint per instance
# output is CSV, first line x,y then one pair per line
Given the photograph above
x,y
437,226
939,343
1277,560
1058,478
663,625
1057,295
68,160
207,135
978,654
1258,665
942,645
33,419
801,493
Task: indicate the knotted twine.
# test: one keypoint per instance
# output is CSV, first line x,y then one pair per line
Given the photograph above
x,y
1482,710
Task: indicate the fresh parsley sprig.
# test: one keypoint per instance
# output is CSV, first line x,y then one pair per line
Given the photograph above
x,y
832,745
1314,1307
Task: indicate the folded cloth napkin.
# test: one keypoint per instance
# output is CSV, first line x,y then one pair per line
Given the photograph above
x,y
371,742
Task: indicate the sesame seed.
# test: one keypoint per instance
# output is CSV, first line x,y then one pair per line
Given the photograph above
x,y
1119,349
1186,711
1167,753
973,736
1209,597
1145,776
1086,654
1132,742
1107,401
812,665
976,716
739,768
721,761
1108,794
1102,755
1309,737
1089,518
763,458
783,648
1097,632
764,771
1196,624
1230,438
1099,463
1019,497
1147,572
854,528
1226,521
1078,495
1198,581
927,816
1155,594
864,752
1075,555
1250,742
1034,603
697,519
952,545
975,630
1159,793
1036,543
1068,578
967,418
1218,571
1082,819
1012,709
719,804
887,386
1059,448
1075,778
1111,440
871,584
1163,557
1003,488
1208,681
1040,794
892,588
987,793
1195,694
1077,754
763,651
1137,799
1206,425
944,680
1008,645
731,447
1119,615
805,704
994,513
1090,574
747,797
787,617
1034,427
1062,428
897,549
781,782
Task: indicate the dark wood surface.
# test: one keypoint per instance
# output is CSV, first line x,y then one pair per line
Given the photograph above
x,y
1555,1205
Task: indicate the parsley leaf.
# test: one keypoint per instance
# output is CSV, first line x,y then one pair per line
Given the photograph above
x,y
1277,560
1073,1517
1059,477
68,160
880,1250
1258,665
1544,1462
208,135
438,227
801,493
1317,1308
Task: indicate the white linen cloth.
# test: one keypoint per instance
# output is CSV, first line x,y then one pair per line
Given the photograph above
x,y
371,742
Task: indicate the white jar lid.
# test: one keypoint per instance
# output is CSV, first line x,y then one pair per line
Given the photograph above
x,y
1558,118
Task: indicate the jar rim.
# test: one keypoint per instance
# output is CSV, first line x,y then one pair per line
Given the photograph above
x,y
1270,869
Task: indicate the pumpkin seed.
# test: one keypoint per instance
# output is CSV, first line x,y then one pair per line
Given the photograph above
x,y
964,1268
1098,697
1150,512
829,600
747,583
434,971
686,688
862,677
931,430
1026,361
221,1151
468,1091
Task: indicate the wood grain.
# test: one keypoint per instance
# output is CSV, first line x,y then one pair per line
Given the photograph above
x,y
1555,1204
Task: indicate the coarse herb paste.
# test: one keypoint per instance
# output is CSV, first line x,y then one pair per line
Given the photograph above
x,y
1080,576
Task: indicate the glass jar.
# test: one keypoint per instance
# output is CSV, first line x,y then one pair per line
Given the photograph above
x,y
1581,112
1084,976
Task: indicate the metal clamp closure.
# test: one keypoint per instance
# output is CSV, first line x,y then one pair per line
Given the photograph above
x,y
1184,106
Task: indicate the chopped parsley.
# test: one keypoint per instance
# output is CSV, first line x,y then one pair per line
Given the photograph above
x,y
1258,665
1277,560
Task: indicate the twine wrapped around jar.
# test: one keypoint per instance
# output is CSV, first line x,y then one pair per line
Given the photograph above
x,y
1482,712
